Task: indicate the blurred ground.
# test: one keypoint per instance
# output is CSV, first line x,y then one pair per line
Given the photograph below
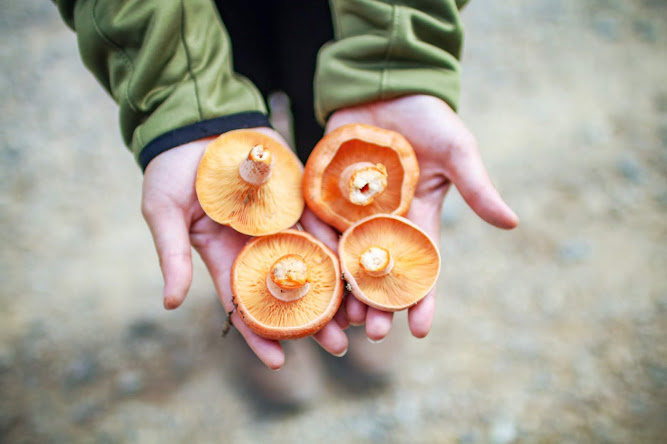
x,y
553,333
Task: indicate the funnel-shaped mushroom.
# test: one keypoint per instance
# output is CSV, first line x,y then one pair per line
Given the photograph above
x,y
286,285
359,170
388,262
251,182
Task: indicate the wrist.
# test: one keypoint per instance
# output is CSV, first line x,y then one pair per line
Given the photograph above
x,y
205,129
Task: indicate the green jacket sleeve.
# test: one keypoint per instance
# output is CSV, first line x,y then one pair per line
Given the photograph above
x,y
167,63
385,49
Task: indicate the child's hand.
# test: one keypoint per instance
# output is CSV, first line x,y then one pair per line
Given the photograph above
x,y
447,153
177,221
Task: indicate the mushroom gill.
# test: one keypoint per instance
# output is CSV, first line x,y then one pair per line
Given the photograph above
x,y
389,262
286,285
359,170
251,182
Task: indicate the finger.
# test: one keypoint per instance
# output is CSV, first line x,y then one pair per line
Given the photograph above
x,y
355,310
420,316
467,172
269,352
172,242
378,324
332,338
319,229
341,319
218,255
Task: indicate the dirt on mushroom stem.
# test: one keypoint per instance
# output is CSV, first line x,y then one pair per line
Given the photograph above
x,y
257,168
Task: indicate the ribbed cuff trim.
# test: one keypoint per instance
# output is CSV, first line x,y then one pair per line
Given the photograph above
x,y
199,130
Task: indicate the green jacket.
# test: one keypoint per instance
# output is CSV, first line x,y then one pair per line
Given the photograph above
x,y
167,63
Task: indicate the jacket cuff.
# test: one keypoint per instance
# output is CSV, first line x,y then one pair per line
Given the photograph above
x,y
200,130
385,50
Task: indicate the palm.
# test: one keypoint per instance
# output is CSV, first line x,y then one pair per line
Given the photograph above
x,y
447,153
177,221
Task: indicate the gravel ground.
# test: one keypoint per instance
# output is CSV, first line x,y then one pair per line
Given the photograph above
x,y
552,333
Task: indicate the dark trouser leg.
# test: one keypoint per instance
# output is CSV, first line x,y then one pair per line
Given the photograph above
x,y
275,45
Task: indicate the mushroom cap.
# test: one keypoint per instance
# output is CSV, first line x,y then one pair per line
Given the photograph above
x,y
351,144
255,210
270,317
416,262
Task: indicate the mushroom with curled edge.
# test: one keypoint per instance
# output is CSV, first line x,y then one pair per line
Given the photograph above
x,y
359,170
251,182
286,285
388,262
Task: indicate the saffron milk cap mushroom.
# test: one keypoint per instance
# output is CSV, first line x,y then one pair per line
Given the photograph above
x,y
286,285
250,181
388,262
359,170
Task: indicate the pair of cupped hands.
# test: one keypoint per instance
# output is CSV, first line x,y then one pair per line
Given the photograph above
x,y
447,154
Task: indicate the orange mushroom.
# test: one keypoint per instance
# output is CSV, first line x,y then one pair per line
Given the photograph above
x,y
388,262
286,285
251,182
358,170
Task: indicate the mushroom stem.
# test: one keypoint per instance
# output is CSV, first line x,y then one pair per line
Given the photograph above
x,y
256,169
362,181
376,261
288,278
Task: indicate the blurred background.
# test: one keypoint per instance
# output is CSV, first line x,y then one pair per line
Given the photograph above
x,y
552,333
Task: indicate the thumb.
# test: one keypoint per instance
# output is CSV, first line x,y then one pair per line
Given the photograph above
x,y
172,242
466,170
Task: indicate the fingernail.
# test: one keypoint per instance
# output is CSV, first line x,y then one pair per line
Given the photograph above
x,y
375,341
356,324
340,355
